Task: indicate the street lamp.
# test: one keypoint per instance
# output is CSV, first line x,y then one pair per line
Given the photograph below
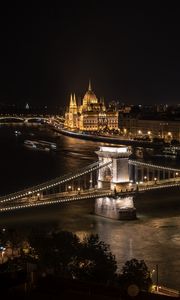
x,y
137,185
155,180
90,181
157,277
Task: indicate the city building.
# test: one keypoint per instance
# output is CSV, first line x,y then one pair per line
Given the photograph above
x,y
152,126
91,115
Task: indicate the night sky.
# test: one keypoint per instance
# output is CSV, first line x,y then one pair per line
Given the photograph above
x,y
131,54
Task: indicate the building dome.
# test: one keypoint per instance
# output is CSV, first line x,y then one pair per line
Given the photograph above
x,y
89,97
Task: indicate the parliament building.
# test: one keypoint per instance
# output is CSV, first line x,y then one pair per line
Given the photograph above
x,y
91,114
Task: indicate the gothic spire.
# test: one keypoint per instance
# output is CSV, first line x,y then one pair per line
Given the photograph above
x,y
89,87
74,100
71,100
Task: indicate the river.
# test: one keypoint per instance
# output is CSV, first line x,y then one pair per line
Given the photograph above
x,y
153,237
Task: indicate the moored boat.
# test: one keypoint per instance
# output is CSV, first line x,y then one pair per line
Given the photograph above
x,y
40,145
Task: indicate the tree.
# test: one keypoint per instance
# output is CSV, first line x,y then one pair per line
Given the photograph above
x,y
136,272
94,262
56,251
89,260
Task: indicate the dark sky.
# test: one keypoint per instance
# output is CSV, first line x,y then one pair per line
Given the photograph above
x,y
131,54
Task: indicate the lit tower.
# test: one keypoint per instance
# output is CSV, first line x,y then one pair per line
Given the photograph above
x,y
72,115
115,176
73,105
89,87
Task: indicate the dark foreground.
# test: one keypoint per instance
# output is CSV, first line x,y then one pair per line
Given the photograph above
x,y
51,287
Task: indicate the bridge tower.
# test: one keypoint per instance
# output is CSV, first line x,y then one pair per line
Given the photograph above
x,y
115,177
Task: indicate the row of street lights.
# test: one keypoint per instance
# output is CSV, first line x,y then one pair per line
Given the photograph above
x,y
155,178
156,285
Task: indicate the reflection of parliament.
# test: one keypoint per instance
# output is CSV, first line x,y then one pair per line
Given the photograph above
x,y
91,115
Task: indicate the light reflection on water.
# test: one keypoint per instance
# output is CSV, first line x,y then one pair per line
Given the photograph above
x,y
154,236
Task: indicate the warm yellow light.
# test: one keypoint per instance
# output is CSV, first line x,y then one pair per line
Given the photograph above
x,y
139,132
169,133
149,132
69,187
114,149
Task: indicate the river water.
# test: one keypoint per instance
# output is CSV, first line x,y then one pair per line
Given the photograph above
x,y
153,237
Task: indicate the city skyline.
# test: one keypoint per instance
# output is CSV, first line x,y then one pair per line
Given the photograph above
x,y
130,54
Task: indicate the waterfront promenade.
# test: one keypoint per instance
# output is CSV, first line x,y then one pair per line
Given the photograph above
x,y
105,138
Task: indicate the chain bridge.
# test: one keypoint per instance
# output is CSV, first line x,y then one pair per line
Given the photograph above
x,y
112,181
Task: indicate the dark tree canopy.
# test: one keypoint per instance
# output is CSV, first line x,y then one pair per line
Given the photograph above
x,y
67,256
136,272
95,262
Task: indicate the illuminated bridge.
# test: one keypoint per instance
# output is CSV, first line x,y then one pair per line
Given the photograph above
x,y
22,118
25,118
112,181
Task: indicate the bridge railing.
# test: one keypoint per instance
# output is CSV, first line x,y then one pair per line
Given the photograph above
x,y
54,182
57,200
149,165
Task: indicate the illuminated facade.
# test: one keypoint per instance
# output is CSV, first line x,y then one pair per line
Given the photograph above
x,y
115,176
91,115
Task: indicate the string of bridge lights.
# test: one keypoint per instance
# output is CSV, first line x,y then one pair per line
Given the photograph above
x,y
64,200
136,163
158,186
80,197
52,183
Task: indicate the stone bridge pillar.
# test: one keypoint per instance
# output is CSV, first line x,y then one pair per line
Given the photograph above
x,y
115,176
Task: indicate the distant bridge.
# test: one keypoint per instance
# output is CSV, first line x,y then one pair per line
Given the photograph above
x,y
21,119
14,118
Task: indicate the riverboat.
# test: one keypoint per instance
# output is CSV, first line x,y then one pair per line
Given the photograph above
x,y
40,145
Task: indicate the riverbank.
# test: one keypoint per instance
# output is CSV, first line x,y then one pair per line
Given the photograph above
x,y
106,139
